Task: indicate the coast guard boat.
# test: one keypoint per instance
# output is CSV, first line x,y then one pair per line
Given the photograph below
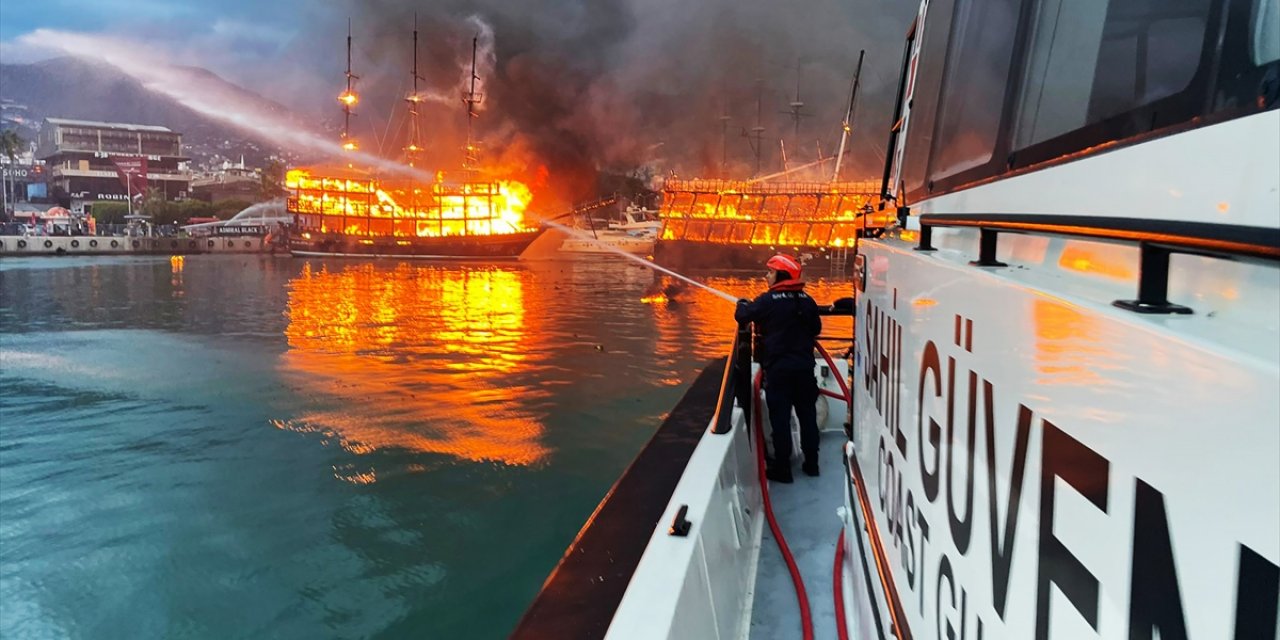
x,y
1063,393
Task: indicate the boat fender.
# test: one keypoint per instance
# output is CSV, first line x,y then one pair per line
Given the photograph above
x,y
93,243
823,410
114,244
48,244
75,244
135,244
247,244
191,244
210,244
22,244
173,244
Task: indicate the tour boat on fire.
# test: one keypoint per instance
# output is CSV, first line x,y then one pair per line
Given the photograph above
x,y
1062,398
346,213
343,211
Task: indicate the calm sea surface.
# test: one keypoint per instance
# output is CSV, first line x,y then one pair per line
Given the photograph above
x,y
249,447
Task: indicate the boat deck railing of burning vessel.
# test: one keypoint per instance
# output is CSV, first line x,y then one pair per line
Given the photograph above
x,y
738,225
366,206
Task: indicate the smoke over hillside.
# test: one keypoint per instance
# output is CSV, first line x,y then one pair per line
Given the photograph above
x,y
618,84
571,87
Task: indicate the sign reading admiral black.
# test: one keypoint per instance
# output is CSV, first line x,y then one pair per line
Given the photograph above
x,y
240,230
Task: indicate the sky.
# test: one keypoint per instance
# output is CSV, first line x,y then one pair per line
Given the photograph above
x,y
250,26
238,39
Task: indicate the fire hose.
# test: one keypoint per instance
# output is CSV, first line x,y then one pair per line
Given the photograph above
x,y
837,585
806,620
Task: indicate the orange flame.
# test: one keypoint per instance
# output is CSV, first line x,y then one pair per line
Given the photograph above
x,y
786,214
366,206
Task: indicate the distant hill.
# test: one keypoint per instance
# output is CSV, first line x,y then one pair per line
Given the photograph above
x,y
74,88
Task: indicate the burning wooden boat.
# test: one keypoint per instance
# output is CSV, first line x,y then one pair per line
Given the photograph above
x,y
738,225
349,212
346,213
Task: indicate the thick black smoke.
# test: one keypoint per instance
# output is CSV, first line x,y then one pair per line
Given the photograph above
x,y
575,87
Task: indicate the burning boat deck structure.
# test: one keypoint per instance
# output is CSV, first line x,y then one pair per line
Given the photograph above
x,y
738,224
344,213
350,212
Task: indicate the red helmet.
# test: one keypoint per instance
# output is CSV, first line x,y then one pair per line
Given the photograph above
x,y
786,264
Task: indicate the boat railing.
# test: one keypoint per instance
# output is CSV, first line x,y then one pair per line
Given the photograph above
x,y
1157,240
735,385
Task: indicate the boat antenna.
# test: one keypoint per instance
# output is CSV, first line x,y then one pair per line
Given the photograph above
x,y
847,126
471,98
414,147
348,98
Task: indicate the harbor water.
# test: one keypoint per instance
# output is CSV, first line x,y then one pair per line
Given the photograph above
x,y
252,447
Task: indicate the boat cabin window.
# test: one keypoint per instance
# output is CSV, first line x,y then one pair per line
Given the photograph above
x,y
1265,34
1089,60
983,33
924,96
1002,85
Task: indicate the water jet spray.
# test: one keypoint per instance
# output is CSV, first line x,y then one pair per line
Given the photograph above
x,y
635,258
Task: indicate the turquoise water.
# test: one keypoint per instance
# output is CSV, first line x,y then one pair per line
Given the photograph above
x,y
250,447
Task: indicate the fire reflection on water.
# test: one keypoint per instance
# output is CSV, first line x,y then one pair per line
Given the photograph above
x,y
464,362
385,348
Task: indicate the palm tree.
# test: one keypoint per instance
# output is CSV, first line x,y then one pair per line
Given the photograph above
x,y
10,144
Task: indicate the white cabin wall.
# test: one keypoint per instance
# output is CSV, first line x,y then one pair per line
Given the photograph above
x,y
1226,173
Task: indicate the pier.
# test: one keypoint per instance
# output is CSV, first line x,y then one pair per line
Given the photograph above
x,y
127,245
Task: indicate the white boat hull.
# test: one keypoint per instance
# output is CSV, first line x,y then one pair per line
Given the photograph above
x,y
608,244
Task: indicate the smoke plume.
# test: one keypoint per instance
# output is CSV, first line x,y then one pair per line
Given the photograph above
x,y
572,88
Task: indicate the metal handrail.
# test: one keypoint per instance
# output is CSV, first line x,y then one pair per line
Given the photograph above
x,y
1156,240
1202,238
736,383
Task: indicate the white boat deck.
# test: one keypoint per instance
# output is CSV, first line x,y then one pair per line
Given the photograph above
x,y
806,511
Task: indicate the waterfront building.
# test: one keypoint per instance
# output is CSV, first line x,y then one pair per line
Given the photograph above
x,y
85,159
231,181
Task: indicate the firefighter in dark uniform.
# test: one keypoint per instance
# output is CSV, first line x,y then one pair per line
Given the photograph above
x,y
788,323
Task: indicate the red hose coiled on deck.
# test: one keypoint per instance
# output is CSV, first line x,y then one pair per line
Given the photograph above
x,y
806,622
837,586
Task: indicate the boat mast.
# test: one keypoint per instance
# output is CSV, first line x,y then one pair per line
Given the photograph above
x,y
847,125
797,105
756,137
414,147
724,137
348,98
471,99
